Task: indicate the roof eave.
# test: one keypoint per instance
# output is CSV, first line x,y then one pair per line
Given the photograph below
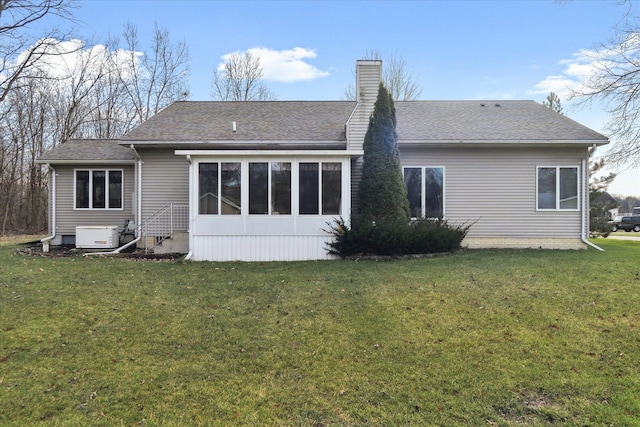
x,y
242,144
258,152
502,143
84,162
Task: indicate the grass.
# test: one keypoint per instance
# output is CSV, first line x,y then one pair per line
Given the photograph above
x,y
492,337
14,239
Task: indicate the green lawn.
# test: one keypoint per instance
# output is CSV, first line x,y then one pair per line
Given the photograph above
x,y
494,337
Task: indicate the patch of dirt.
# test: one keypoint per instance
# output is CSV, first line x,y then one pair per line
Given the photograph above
x,y
54,251
531,407
63,251
141,256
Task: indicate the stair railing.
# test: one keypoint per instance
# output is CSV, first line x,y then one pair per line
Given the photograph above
x,y
162,223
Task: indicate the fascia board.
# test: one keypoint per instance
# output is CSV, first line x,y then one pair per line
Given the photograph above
x,y
85,162
231,142
270,153
487,142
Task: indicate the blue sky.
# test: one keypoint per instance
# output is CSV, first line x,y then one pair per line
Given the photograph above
x,y
456,49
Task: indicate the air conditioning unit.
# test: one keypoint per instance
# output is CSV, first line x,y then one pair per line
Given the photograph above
x,y
97,237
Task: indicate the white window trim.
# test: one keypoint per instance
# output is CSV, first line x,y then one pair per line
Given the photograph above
x,y
269,163
345,206
320,163
423,195
91,171
578,192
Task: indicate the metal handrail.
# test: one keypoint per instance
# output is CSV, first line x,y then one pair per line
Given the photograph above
x,y
162,223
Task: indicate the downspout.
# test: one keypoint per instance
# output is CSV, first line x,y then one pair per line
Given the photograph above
x,y
585,205
138,215
190,253
52,226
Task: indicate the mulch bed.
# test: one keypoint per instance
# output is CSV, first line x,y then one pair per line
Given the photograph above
x,y
64,251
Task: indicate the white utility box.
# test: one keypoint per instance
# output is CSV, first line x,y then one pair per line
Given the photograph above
x,y
97,237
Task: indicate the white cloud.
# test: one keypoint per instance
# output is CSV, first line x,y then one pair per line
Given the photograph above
x,y
560,85
69,59
576,71
285,66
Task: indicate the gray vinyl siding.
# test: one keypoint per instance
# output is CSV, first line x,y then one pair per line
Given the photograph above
x,y
165,179
357,126
67,218
495,188
368,79
356,175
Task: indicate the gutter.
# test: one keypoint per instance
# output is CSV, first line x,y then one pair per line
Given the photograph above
x,y
52,226
585,205
138,215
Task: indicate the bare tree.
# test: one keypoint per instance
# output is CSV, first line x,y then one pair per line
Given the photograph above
x,y
239,79
112,114
25,128
19,51
627,203
156,79
75,86
396,76
614,81
76,91
24,114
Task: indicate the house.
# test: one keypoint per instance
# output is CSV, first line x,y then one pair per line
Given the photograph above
x,y
607,200
261,180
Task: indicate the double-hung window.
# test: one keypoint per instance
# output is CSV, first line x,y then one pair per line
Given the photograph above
x,y
98,189
425,190
557,188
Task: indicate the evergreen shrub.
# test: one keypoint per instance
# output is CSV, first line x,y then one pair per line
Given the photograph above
x,y
382,192
423,236
599,225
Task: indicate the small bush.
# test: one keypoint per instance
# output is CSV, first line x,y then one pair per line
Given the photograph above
x,y
599,225
422,236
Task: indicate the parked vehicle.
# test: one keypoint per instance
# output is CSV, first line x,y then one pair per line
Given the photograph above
x,y
615,222
626,223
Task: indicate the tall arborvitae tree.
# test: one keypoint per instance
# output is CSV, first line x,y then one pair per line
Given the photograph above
x,y
383,192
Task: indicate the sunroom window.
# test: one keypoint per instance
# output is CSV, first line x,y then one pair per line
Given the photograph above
x,y
98,189
270,188
220,188
320,188
280,188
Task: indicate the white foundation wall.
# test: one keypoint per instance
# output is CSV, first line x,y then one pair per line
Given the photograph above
x,y
260,248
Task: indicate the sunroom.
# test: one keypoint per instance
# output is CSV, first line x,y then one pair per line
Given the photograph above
x,y
265,205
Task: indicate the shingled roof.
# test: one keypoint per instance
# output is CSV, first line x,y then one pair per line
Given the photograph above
x,y
88,151
508,121
209,121
323,122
